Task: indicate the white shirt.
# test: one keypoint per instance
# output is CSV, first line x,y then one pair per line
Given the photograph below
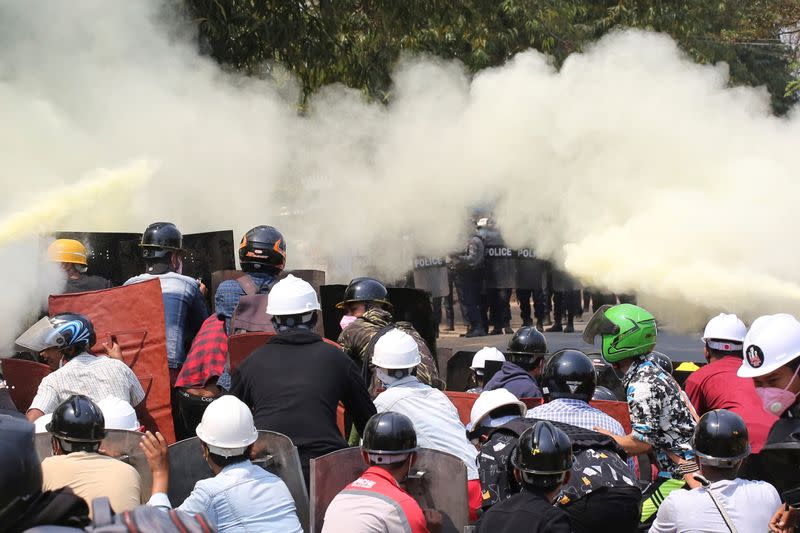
x,y
434,416
750,504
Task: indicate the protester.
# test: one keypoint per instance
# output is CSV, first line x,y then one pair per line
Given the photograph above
x,y
71,256
241,496
541,465
367,317
295,382
376,501
77,427
63,341
716,385
725,502
493,409
478,366
524,357
184,306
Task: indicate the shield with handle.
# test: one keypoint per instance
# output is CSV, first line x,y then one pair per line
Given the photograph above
x,y
272,451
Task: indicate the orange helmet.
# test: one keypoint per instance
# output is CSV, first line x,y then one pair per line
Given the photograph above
x,y
67,251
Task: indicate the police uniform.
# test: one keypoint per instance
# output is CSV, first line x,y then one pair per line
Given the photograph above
x,y
468,280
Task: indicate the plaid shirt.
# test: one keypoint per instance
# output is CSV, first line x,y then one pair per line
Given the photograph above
x,y
206,359
576,413
97,377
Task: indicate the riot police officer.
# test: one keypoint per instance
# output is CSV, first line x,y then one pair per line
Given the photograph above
x,y
468,269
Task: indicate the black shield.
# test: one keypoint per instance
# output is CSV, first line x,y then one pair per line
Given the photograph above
x,y
414,305
501,267
430,274
329,296
459,375
114,256
531,271
205,253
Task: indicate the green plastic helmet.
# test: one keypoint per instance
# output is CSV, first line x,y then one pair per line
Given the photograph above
x,y
627,331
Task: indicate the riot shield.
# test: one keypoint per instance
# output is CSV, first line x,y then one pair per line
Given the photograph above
x,y
616,410
500,262
459,375
114,256
120,444
134,316
531,271
463,402
562,281
430,274
205,253
241,345
23,378
437,481
414,305
272,451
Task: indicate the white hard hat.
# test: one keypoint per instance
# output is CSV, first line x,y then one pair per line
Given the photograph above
x,y
724,328
227,427
483,355
292,296
490,400
773,341
118,414
41,423
396,349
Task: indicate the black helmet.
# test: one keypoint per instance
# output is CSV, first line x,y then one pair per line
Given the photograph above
x,y
388,434
20,468
526,347
720,439
78,419
569,374
263,247
662,360
543,454
604,393
365,290
160,239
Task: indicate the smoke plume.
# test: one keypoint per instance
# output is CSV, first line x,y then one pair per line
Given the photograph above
x,y
632,167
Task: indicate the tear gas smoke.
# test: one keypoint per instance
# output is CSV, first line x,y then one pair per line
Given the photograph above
x,y
633,167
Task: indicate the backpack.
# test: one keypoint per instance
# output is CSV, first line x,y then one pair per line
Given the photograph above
x,y
250,314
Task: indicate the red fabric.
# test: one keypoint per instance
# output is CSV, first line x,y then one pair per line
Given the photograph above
x,y
716,386
376,479
474,498
206,358
616,410
463,401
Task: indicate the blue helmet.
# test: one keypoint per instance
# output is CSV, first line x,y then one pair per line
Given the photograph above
x,y
60,331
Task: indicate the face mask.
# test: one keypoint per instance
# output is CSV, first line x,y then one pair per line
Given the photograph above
x,y
347,320
384,378
776,401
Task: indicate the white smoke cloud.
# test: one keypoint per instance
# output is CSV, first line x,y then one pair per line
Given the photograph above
x,y
637,169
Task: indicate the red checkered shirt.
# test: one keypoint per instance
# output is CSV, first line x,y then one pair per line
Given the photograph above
x,y
206,359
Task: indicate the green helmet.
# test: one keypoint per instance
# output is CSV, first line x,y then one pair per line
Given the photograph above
x,y
627,331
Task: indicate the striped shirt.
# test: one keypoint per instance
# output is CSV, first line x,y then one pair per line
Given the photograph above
x,y
97,377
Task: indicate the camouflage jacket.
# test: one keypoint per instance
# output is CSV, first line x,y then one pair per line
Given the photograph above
x,y
659,414
355,340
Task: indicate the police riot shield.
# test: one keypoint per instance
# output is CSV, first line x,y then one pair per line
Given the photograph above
x,y
436,481
272,451
531,271
120,444
133,316
430,274
501,267
114,256
459,375
23,378
561,281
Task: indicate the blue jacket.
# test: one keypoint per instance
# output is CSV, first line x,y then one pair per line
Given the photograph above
x,y
515,380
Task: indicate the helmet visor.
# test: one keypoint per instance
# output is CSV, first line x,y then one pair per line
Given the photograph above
x,y
599,324
39,337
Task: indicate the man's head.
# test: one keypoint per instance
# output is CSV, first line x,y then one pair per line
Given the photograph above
x,y
162,248
77,425
390,442
527,349
362,294
478,365
724,335
490,407
569,374
721,443
542,459
293,304
263,249
227,432
772,359
627,331
70,254
395,356
62,336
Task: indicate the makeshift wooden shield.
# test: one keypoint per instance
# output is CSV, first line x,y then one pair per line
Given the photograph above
x,y
120,444
616,410
272,451
530,403
134,316
241,345
437,480
23,378
463,402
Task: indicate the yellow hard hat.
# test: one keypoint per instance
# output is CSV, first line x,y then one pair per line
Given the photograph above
x,y
687,366
67,251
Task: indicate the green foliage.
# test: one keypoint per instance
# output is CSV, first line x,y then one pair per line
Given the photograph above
x,y
357,42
